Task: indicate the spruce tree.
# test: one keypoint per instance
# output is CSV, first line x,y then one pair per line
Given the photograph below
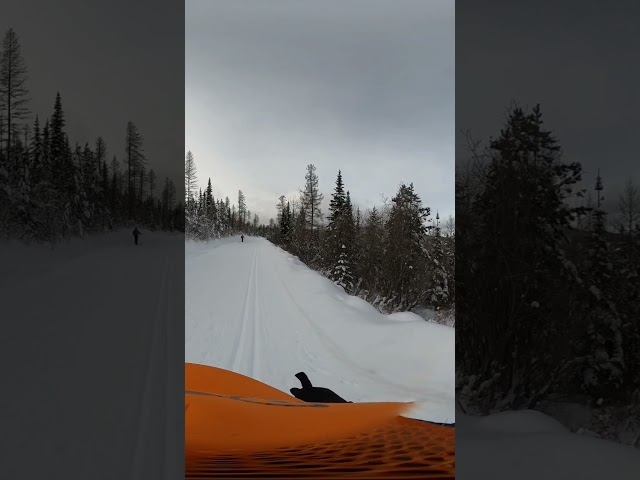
x,y
56,129
335,227
603,371
336,205
512,260
403,247
373,251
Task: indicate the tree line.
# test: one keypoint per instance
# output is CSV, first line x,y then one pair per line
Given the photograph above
x,y
393,256
51,190
549,295
207,218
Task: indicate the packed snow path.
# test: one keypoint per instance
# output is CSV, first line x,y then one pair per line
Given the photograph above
x,y
92,321
254,309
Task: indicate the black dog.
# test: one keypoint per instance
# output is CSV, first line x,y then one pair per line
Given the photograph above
x,y
309,393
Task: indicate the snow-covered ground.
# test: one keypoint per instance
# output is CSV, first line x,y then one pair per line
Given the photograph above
x,y
257,310
530,445
92,321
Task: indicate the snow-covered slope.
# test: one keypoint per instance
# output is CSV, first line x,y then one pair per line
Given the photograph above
x,y
85,358
255,309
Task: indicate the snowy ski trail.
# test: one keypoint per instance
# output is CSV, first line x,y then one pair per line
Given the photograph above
x,y
121,304
254,309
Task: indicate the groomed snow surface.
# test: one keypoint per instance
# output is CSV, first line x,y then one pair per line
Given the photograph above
x,y
257,310
87,359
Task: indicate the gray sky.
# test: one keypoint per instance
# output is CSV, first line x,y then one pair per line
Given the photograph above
x,y
111,62
577,59
366,86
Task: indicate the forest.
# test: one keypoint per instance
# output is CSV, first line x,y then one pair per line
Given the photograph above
x,y
547,280
394,256
52,189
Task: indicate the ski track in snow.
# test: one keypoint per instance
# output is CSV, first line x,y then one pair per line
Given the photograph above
x,y
109,342
247,351
254,309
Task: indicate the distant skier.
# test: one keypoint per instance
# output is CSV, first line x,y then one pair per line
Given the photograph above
x,y
242,238
136,232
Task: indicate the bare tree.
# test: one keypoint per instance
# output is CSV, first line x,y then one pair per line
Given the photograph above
x,y
450,226
242,209
135,160
13,93
629,206
190,177
311,196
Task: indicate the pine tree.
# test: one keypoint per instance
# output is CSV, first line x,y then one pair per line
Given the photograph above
x,y
228,222
104,199
56,127
603,371
63,177
437,271
373,251
58,149
510,266
36,150
299,243
335,226
285,224
347,246
280,206
44,190
403,249
336,205
629,209
210,211
115,204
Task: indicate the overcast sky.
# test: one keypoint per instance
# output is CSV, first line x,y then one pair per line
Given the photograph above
x,y
111,62
365,86
577,59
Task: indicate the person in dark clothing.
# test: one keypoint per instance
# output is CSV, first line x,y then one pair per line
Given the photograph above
x,y
136,232
242,238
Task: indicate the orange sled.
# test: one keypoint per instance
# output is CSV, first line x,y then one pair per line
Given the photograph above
x,y
237,427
